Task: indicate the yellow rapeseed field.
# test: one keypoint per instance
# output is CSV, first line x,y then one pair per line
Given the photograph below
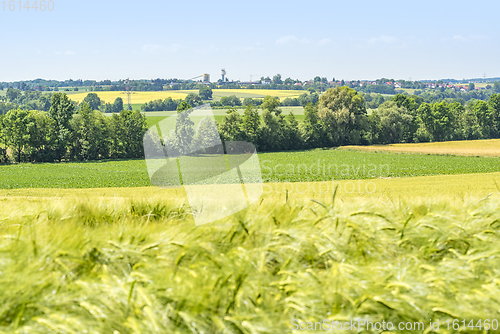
x,y
486,147
136,97
143,97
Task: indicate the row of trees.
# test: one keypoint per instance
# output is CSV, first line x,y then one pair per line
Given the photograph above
x,y
340,118
67,132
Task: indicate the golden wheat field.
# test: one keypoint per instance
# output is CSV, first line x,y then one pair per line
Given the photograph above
x,y
486,147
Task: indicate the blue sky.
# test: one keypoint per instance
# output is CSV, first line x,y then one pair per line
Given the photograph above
x,y
164,39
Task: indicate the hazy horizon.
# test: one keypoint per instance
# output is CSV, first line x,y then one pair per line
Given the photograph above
x,y
365,41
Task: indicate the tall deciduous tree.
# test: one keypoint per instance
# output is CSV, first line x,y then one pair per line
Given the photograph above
x,y
205,92
42,137
312,129
61,111
193,99
3,141
126,132
89,134
231,126
184,129
271,104
93,100
343,113
437,119
251,123
16,127
496,87
118,105
494,104
485,118
396,123
273,135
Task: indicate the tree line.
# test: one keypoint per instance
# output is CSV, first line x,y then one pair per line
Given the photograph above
x,y
70,133
340,118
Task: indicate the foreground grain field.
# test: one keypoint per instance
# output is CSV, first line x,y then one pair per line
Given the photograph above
x,y
485,147
121,265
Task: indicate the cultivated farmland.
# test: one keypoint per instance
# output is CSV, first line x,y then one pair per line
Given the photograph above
x,y
485,147
109,265
143,97
303,166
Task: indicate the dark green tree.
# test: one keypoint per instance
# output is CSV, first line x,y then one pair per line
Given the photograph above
x,y
61,111
193,99
312,129
118,105
485,118
294,139
205,92
87,130
496,87
184,129
93,100
3,141
396,123
251,123
437,119
16,130
277,79
126,132
12,94
231,126
271,104
42,137
342,112
406,102
273,134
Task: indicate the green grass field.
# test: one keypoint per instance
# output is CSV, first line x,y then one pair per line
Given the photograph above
x,y
154,117
304,166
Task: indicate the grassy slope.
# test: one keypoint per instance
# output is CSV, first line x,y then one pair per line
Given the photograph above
x,y
141,266
485,147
